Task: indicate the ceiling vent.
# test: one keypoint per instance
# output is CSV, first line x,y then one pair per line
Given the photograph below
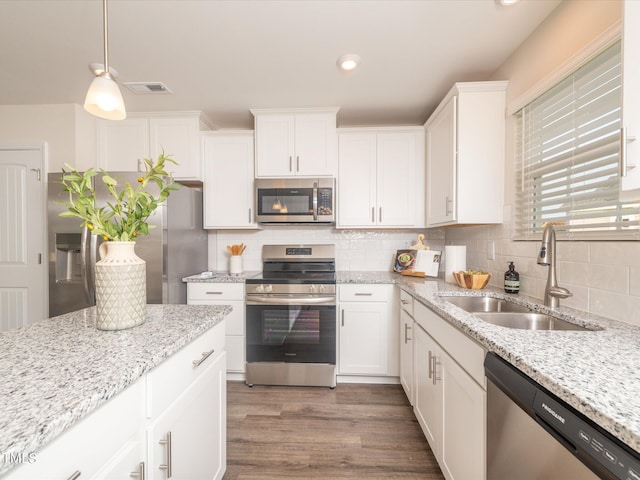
x,y
147,88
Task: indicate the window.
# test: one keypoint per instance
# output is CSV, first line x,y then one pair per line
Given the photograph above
x,y
567,163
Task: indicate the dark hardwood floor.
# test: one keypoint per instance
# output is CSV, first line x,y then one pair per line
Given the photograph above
x,y
353,431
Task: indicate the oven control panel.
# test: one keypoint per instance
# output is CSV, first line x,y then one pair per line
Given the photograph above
x,y
298,251
299,289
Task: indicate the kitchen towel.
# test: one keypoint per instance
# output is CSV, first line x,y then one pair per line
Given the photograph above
x,y
455,259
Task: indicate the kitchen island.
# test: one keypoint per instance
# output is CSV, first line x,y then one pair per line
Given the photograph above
x,y
58,371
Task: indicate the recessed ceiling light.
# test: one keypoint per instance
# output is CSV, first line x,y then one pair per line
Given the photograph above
x,y
507,3
348,61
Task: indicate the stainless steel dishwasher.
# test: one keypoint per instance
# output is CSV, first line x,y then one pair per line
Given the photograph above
x,y
533,435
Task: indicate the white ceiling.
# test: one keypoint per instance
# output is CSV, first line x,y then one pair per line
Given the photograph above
x,y
226,56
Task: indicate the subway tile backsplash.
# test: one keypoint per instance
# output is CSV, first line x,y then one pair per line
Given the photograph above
x,y
356,250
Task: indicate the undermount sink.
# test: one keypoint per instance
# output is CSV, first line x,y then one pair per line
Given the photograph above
x,y
485,304
528,321
503,313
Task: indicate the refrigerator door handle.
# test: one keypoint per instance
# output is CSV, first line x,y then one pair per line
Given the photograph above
x,y
84,252
91,267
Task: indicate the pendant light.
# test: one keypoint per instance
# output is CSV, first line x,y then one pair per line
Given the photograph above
x,y
104,98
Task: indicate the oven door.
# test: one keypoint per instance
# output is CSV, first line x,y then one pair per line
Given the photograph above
x,y
290,333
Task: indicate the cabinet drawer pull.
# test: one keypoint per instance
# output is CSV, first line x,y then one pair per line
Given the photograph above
x,y
205,355
75,475
167,443
363,294
406,333
140,473
214,293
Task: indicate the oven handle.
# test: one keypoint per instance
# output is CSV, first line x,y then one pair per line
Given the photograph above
x,y
259,300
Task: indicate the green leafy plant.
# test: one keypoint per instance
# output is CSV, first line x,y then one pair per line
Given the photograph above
x,y
125,216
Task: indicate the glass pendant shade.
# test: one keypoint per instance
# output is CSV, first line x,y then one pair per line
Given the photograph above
x,y
104,99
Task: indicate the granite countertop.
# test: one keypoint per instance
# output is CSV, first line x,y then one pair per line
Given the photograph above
x,y
220,277
57,371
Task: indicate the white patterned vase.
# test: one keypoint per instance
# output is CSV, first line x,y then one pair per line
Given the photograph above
x,y
121,287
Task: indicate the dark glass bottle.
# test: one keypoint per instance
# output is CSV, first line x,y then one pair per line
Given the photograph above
x,y
511,280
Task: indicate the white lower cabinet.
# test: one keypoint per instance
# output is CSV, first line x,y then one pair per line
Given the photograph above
x,y
450,395
406,344
93,441
211,293
368,330
183,441
121,437
128,462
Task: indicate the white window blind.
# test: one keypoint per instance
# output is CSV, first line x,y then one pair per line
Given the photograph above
x,y
568,157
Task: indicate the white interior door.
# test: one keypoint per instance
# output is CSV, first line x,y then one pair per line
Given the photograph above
x,y
22,236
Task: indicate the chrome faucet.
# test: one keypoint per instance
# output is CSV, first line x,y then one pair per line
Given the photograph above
x,y
547,256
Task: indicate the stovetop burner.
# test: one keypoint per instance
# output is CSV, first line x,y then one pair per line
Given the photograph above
x,y
297,264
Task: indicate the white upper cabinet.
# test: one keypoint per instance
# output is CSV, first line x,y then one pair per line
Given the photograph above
x,y
228,180
123,145
292,142
631,97
465,155
381,177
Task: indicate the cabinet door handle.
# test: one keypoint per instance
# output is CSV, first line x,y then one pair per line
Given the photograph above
x,y
342,317
290,163
75,475
140,473
406,333
250,217
624,139
139,165
449,206
205,355
435,371
430,364
167,443
380,215
373,214
297,163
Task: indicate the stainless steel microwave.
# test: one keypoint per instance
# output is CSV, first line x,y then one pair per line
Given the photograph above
x,y
295,200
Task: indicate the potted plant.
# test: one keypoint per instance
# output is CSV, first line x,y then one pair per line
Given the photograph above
x,y
120,274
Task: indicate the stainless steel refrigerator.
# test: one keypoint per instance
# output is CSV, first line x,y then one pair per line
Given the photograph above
x,y
176,247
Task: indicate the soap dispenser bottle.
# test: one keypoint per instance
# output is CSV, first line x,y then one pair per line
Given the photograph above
x,y
511,280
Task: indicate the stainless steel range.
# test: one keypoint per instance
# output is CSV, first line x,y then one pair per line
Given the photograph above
x,y
291,317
